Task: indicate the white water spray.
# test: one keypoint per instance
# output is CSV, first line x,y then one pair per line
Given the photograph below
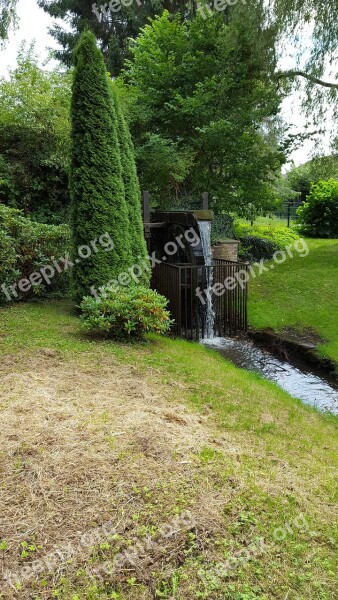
x,y
205,232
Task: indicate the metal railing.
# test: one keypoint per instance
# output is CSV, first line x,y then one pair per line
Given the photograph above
x,y
187,288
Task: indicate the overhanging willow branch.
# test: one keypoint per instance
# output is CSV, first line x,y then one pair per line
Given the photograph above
x,y
312,78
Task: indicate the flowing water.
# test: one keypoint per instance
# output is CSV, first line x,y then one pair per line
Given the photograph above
x,y
205,231
302,381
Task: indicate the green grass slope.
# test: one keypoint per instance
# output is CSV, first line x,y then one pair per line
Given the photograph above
x,y
302,294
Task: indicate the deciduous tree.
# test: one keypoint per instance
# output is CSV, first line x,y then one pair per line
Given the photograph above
x,y
202,105
35,139
7,17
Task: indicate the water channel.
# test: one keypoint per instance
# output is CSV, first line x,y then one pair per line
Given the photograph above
x,y
301,380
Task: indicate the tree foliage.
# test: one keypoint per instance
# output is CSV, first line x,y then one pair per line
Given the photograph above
x,y
301,178
321,18
318,18
202,106
7,17
132,189
319,214
113,28
97,190
34,139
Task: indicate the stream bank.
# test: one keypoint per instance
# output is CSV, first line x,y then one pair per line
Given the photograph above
x,y
290,343
308,382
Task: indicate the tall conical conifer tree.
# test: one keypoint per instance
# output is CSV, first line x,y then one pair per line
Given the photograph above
x,y
132,188
96,184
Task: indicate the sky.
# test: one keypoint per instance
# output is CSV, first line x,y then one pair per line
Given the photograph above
x,y
34,23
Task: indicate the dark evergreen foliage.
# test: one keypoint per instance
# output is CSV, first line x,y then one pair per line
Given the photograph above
x,y
97,190
113,28
132,188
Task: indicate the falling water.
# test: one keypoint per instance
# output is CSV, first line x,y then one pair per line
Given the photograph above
x,y
205,231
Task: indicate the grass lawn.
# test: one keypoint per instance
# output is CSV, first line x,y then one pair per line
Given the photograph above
x,y
94,431
301,294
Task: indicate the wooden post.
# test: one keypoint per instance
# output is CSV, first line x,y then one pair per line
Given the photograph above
x,y
146,218
146,208
205,201
290,203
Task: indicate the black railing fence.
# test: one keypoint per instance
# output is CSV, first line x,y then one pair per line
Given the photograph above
x,y
193,291
288,211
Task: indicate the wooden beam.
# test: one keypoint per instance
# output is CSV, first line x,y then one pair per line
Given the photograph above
x,y
146,207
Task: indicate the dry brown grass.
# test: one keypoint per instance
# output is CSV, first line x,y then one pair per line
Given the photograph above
x,y
86,439
80,441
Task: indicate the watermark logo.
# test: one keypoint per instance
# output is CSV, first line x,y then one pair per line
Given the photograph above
x,y
130,557
103,11
242,276
205,9
209,9
252,550
57,266
134,273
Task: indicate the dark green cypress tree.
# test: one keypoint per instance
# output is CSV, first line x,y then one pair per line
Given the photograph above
x,y
96,185
132,188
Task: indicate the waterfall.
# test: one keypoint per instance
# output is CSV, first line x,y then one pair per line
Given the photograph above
x,y
205,231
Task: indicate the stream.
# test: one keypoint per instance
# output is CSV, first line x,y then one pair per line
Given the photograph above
x,y
296,377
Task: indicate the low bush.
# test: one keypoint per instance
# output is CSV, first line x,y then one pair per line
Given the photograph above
x,y
126,314
282,236
262,241
25,248
254,249
319,214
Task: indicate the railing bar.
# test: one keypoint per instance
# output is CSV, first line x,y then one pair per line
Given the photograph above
x,y
231,313
180,304
191,307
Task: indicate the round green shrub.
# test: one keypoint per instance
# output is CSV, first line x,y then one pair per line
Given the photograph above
x,y
126,313
282,236
319,214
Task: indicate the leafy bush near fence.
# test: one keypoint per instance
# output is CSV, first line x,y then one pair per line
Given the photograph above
x,y
319,214
261,241
126,313
27,247
222,228
253,248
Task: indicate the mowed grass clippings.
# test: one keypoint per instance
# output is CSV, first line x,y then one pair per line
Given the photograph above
x,y
96,432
